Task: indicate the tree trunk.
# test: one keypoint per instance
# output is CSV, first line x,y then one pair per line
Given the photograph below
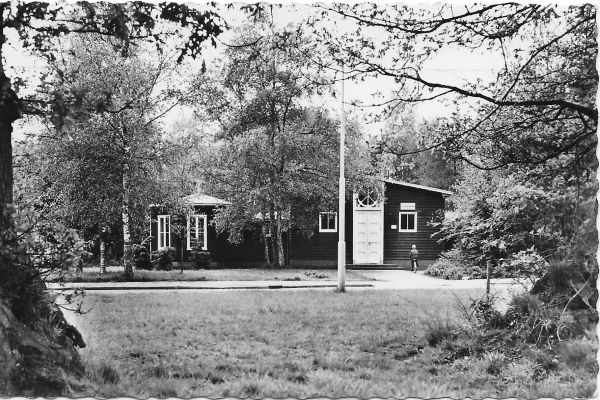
x,y
181,244
272,236
127,256
10,111
279,241
289,237
266,239
6,172
488,271
102,257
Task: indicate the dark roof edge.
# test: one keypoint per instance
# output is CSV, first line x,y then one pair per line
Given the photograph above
x,y
413,185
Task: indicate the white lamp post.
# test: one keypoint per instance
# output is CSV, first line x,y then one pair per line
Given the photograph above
x,y
341,286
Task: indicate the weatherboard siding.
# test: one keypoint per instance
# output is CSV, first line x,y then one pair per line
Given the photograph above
x,y
396,245
250,250
311,247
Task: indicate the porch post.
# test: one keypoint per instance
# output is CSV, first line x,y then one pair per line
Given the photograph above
x,y
341,286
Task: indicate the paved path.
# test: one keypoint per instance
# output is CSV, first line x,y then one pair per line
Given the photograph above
x,y
378,279
204,285
401,279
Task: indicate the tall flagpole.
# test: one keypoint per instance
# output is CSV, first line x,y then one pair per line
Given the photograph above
x,y
341,286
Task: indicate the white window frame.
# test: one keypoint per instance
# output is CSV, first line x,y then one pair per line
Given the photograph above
x,y
163,235
196,217
400,221
407,207
321,229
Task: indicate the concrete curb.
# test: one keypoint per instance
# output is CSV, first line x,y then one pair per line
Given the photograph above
x,y
189,287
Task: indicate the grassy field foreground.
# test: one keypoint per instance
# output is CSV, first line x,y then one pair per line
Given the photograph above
x,y
295,344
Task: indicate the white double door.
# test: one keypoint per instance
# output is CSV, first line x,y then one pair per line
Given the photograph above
x,y
368,237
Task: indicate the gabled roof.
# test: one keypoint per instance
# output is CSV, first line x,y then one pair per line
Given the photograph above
x,y
201,199
412,185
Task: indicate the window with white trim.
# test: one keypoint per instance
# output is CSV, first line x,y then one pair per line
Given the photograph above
x,y
328,222
164,231
408,221
196,232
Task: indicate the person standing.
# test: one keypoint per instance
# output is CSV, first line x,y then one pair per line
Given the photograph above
x,y
414,258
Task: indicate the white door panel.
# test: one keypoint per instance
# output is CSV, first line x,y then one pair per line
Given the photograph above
x,y
368,229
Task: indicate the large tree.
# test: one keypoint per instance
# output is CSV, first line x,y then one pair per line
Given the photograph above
x,y
539,106
278,153
77,165
119,100
36,24
37,344
184,149
528,130
397,152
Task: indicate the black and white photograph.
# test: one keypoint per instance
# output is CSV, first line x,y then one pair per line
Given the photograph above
x,y
298,200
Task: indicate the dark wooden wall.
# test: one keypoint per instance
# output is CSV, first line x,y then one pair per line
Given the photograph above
x,y
309,247
396,244
249,251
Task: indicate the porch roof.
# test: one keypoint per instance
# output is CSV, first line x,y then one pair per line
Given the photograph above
x,y
201,199
413,185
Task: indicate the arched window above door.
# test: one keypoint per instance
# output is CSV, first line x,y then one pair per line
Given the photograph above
x,y
367,198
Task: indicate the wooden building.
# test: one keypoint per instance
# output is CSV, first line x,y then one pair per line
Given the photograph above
x,y
191,231
381,227
185,233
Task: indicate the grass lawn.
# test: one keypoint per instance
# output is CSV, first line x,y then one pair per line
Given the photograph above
x,y
93,275
293,344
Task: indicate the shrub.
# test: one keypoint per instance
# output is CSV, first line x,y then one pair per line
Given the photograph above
x,y
498,213
544,359
165,257
453,264
494,361
524,264
31,250
579,353
50,245
439,331
522,305
40,358
316,275
446,269
141,257
200,258
485,315
562,281
541,323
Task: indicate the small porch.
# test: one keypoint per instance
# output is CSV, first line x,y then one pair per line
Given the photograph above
x,y
186,229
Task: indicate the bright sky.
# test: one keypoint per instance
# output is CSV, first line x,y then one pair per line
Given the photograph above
x,y
450,65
